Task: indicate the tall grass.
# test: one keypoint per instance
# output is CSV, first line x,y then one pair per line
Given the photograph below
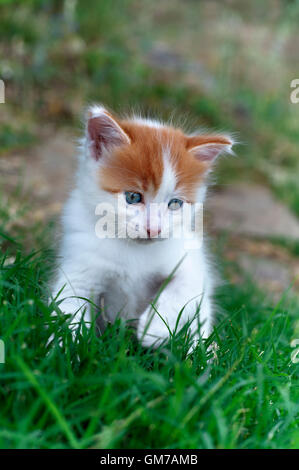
x,y
109,392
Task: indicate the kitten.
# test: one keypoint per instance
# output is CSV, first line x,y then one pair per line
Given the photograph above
x,y
136,177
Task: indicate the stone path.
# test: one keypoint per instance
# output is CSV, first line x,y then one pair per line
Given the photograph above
x,y
248,214
252,210
252,219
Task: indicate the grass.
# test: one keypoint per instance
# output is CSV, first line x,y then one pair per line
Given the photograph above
x,y
109,392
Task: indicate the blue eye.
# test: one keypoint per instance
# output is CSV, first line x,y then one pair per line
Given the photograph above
x,y
133,198
174,204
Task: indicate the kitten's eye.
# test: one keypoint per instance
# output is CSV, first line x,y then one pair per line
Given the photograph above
x,y
175,204
133,198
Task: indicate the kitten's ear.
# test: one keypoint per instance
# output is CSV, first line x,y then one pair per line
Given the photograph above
x,y
207,148
103,131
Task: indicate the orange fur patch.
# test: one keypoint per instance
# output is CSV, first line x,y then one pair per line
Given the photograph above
x,y
138,166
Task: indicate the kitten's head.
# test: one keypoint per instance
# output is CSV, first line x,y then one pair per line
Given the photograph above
x,y
147,171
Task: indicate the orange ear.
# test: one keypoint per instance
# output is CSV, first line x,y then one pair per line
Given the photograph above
x,y
207,148
103,131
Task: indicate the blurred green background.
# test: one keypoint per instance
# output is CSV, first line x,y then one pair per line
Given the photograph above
x,y
224,64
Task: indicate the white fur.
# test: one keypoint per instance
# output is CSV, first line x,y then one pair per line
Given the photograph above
x,y
126,271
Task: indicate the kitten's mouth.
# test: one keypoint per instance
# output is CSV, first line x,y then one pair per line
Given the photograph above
x,y
147,239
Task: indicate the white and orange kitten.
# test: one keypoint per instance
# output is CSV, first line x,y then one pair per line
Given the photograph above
x,y
138,176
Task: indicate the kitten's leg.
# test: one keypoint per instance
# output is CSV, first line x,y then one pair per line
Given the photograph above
x,y
75,283
183,291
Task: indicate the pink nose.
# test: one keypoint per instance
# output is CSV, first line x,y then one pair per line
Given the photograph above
x,y
153,232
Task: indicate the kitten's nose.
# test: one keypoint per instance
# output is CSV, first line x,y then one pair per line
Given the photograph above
x,y
153,232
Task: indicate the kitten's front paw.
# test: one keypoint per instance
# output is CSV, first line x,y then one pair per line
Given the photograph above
x,y
151,331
